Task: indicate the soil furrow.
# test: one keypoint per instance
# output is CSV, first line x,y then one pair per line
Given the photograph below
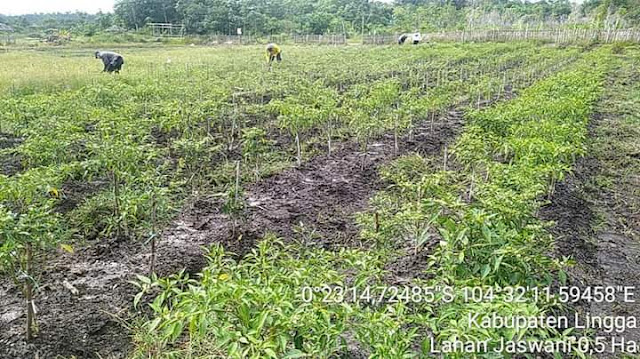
x,y
315,202
595,209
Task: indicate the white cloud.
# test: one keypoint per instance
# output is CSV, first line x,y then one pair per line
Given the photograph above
x,y
21,7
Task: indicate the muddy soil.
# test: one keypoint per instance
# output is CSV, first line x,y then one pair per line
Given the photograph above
x,y
73,192
604,256
572,216
313,204
598,226
9,141
10,163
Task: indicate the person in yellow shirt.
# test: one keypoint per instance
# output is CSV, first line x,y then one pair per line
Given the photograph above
x,y
273,53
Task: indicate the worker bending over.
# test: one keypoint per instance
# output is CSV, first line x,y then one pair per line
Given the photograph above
x,y
112,61
416,37
273,53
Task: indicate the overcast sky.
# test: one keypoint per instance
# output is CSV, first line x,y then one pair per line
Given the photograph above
x,y
21,7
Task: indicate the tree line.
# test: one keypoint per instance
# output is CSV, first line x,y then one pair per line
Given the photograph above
x,y
350,17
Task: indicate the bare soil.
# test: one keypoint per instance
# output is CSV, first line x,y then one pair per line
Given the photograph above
x,y
313,203
599,225
604,256
10,164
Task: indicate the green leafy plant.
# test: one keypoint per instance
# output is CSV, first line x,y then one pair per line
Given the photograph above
x,y
259,307
28,228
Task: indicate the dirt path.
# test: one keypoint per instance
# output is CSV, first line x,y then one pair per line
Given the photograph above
x,y
597,210
320,196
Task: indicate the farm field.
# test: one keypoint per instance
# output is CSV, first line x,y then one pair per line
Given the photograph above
x,y
198,205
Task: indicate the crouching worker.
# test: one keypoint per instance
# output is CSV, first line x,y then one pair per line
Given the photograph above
x,y
416,37
273,53
112,61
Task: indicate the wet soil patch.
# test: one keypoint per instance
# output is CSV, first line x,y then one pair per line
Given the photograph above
x,y
84,325
90,323
587,228
10,162
572,214
73,192
9,141
162,137
313,204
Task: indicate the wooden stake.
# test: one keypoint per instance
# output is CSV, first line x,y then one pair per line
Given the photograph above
x,y
433,119
473,178
329,137
395,140
298,149
28,292
116,195
364,154
445,158
237,189
153,234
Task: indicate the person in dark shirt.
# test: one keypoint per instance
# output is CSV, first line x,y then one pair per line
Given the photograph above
x,y
112,61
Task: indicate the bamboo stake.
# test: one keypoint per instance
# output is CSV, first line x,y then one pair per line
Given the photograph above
x,y
445,158
28,292
153,233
